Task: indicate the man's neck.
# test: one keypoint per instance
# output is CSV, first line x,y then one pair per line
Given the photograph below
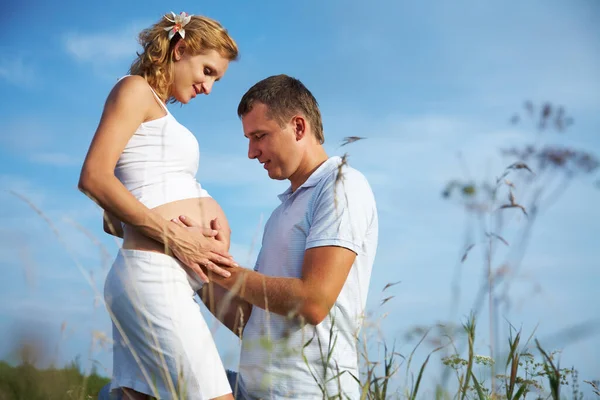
x,y
311,163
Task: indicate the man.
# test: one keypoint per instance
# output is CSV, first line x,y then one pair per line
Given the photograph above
x,y
306,296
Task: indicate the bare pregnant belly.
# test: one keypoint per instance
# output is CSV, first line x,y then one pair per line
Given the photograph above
x,y
201,210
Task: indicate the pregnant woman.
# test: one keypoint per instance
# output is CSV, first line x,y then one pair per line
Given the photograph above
x,y
140,168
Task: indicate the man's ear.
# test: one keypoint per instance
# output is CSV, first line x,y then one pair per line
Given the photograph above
x,y
179,50
300,126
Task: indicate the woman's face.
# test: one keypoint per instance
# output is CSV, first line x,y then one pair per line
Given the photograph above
x,y
196,74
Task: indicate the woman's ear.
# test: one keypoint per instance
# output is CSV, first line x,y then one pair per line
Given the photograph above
x,y
179,50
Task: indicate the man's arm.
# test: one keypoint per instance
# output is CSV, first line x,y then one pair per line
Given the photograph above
x,y
342,214
230,309
309,297
225,305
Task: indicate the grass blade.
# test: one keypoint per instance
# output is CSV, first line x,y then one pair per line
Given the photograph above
x,y
478,388
415,390
520,392
552,371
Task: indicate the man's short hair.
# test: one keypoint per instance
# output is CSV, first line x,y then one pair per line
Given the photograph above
x,y
284,96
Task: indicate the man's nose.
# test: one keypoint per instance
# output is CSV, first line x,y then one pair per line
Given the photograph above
x,y
253,152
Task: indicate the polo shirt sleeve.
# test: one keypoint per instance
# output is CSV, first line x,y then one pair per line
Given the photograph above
x,y
258,259
341,212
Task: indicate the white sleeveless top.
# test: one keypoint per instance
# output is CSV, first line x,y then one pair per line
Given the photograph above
x,y
160,162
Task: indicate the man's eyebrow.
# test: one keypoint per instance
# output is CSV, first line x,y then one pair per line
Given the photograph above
x,y
254,133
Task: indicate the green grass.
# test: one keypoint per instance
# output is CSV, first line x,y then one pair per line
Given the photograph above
x,y
25,382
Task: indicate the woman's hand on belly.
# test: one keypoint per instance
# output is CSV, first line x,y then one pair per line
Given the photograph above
x,y
199,252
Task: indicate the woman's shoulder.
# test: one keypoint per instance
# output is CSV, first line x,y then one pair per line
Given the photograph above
x,y
133,83
133,89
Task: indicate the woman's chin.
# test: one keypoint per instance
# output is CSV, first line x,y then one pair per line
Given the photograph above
x,y
183,99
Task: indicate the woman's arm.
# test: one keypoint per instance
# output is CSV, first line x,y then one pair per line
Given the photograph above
x,y
112,225
128,105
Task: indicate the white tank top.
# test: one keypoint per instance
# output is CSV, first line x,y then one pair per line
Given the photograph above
x,y
160,161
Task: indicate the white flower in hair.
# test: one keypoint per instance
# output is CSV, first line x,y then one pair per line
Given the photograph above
x,y
180,21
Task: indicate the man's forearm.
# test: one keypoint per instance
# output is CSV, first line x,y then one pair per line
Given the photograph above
x,y
226,306
283,296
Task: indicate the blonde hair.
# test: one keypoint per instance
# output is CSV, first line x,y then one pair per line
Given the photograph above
x,y
155,62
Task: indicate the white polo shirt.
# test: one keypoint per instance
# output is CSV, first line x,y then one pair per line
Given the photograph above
x,y
280,359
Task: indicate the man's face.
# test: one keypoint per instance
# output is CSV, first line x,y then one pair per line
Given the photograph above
x,y
274,146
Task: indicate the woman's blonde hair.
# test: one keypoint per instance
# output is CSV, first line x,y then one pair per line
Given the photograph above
x,y
155,62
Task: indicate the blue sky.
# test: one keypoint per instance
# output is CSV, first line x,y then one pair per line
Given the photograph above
x,y
421,81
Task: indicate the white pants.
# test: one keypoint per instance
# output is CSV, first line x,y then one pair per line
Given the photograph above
x,y
162,344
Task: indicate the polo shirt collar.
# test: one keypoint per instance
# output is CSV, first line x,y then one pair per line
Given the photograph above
x,y
324,170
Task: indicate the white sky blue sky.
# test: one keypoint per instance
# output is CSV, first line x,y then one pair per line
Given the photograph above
x,y
421,81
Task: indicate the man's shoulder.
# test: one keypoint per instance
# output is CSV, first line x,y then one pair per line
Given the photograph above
x,y
349,178
343,186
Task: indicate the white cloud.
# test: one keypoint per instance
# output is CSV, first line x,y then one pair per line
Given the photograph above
x,y
35,142
16,71
25,135
103,47
56,159
410,150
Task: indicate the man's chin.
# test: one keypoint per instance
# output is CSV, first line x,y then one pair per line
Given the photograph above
x,y
276,176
